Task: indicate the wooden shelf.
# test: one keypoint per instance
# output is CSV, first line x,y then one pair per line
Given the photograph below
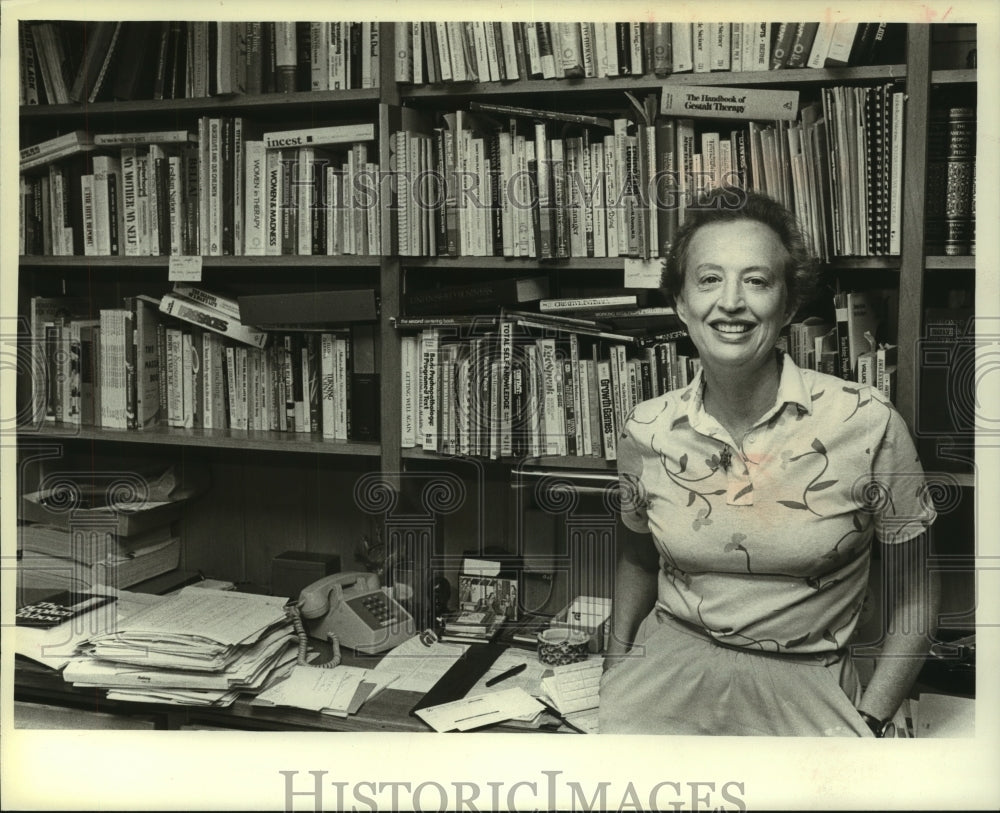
x,y
866,263
232,263
528,87
209,438
940,262
961,76
589,464
214,105
514,263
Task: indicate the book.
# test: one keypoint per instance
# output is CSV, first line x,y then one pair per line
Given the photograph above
x,y
543,115
484,296
52,149
198,314
709,101
145,137
473,622
60,608
101,40
282,310
588,304
319,136
225,305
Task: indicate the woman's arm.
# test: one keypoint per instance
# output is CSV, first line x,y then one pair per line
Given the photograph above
x,y
913,602
635,590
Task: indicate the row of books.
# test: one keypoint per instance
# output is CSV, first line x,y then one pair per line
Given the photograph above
x,y
225,189
951,182
66,62
857,346
180,362
474,51
620,187
520,388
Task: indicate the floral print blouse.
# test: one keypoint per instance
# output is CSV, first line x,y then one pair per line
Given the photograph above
x,y
767,545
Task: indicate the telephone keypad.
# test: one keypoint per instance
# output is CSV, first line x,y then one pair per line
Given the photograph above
x,y
376,609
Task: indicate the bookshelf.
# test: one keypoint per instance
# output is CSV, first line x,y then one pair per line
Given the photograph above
x,y
238,458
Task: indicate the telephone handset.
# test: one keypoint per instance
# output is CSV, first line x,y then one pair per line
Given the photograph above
x,y
353,607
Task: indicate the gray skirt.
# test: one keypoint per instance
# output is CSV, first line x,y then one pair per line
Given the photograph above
x,y
677,680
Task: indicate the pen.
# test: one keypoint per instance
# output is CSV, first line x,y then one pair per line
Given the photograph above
x,y
508,674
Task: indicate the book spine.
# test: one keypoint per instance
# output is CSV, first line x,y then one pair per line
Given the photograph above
x,y
896,190
606,403
429,350
221,304
202,316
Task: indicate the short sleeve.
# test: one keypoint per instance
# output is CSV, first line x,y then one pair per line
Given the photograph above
x,y
633,492
898,492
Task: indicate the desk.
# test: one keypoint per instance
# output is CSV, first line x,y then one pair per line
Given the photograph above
x,y
389,711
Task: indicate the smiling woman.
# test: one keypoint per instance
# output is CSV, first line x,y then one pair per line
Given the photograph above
x,y
754,495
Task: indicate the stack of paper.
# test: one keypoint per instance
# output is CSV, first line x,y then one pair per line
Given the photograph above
x,y
573,691
197,647
339,691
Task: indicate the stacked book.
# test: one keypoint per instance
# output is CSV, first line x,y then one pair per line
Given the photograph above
x,y
98,541
195,647
472,626
53,557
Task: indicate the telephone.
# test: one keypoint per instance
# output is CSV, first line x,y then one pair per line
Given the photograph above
x,y
353,607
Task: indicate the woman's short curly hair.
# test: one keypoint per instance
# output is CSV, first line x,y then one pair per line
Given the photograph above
x,y
730,204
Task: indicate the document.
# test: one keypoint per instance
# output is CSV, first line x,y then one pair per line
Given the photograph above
x,y
195,629
339,691
941,715
483,709
419,667
215,616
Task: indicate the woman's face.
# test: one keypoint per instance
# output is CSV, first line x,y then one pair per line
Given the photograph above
x,y
734,300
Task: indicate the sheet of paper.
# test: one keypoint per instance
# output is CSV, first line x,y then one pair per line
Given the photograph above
x,y
643,273
941,715
483,709
419,667
530,679
306,687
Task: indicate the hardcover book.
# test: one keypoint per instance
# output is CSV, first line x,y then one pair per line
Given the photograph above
x,y
710,101
485,296
282,310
